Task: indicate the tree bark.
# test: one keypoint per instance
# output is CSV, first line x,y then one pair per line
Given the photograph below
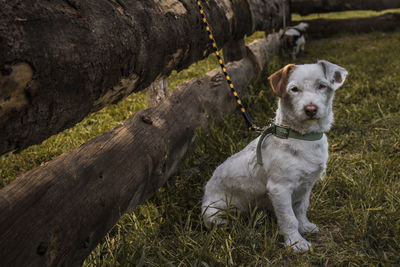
x,y
61,60
234,50
304,7
55,214
328,27
157,91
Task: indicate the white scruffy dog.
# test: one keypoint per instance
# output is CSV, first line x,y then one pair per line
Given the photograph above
x,y
293,40
291,166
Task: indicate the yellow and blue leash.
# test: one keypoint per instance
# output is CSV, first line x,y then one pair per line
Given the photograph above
x,y
249,122
272,129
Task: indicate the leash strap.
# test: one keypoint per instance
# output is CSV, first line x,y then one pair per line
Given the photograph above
x,y
284,133
279,131
249,122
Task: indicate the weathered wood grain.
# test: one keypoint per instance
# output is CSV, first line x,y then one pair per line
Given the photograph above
x,y
234,50
157,91
75,57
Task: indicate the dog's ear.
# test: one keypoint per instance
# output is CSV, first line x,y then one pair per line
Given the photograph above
x,y
335,74
279,80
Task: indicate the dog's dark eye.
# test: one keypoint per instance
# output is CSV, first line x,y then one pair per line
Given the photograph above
x,y
321,86
294,89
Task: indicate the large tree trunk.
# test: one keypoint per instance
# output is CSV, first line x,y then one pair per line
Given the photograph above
x,y
55,214
327,27
62,59
305,7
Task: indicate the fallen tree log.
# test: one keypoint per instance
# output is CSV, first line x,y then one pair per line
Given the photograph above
x,y
55,214
61,60
304,7
328,27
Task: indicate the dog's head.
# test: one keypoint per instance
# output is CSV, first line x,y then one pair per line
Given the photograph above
x,y
306,94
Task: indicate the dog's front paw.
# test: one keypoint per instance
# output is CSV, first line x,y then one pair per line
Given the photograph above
x,y
298,244
308,228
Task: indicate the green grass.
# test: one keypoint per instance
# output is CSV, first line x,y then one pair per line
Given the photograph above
x,y
344,14
356,205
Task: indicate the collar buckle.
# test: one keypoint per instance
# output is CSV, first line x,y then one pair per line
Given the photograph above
x,y
281,132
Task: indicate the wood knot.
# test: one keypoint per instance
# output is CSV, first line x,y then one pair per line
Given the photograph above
x,y
217,80
42,248
146,119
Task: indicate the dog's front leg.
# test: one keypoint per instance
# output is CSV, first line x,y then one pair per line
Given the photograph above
x,y
281,198
300,209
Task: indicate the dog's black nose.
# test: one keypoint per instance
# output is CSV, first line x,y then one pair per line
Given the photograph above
x,y
310,110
